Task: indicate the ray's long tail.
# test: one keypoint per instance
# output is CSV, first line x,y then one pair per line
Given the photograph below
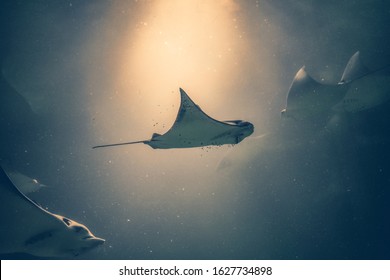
x,y
119,144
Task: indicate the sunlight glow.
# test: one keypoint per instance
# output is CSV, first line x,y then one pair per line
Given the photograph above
x,y
189,44
148,49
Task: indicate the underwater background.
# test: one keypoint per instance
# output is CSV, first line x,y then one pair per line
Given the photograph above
x,y
75,74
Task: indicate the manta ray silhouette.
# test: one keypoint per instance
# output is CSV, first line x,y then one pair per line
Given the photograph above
x,y
194,128
25,227
359,89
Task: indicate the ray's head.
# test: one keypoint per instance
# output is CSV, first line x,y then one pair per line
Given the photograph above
x,y
283,113
69,240
79,238
246,129
288,114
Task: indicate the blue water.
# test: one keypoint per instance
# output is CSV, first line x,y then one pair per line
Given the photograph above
x,y
290,191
